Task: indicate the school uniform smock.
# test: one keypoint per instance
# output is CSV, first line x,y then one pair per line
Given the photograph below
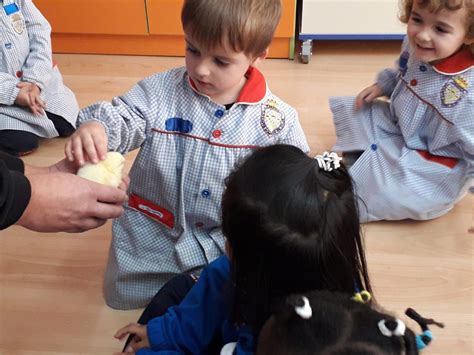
x,y
189,145
189,327
418,149
25,55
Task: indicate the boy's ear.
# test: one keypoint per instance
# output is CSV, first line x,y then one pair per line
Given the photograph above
x,y
260,58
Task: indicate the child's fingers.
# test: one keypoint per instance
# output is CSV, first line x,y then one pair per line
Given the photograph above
x,y
371,97
68,150
130,328
22,84
100,142
39,102
360,100
77,150
89,147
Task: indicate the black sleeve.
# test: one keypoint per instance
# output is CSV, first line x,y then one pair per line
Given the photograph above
x,y
12,163
15,190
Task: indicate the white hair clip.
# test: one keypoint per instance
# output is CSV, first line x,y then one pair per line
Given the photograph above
x,y
398,331
328,161
305,310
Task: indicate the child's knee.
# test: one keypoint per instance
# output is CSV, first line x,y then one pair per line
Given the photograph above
x,y
18,142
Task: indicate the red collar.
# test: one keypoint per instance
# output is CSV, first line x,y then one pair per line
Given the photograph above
x,y
456,64
254,89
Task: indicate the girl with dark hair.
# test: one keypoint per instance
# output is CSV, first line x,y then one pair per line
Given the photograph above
x,y
333,323
291,225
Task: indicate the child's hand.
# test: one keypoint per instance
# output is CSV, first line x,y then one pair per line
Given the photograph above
x,y
139,341
29,96
88,142
368,95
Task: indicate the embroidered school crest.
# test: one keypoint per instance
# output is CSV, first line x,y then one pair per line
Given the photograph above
x,y
272,119
17,23
453,91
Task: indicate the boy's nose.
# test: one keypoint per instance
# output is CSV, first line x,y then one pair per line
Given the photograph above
x,y
202,69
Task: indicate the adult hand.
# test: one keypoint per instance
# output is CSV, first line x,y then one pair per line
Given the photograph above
x,y
88,142
368,95
139,341
66,166
63,202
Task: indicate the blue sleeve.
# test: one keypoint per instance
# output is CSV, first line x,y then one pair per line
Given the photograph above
x,y
191,325
148,351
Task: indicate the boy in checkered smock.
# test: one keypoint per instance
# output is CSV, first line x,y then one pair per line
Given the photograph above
x,y
192,125
415,153
34,102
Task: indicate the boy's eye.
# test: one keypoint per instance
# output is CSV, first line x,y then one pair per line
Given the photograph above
x,y
416,19
192,50
220,62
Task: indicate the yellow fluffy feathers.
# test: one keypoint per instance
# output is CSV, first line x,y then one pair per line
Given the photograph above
x,y
107,171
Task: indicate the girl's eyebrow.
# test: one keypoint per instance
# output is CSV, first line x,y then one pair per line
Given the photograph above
x,y
443,24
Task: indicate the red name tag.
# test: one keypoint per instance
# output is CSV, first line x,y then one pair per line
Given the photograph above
x,y
151,210
449,162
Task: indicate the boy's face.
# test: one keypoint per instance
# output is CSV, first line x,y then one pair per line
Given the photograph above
x,y
218,73
435,36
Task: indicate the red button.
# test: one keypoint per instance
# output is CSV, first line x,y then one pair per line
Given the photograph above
x,y
413,82
19,74
216,133
199,224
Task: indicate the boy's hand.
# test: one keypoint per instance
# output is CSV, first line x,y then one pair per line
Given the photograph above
x,y
368,95
139,341
88,142
29,96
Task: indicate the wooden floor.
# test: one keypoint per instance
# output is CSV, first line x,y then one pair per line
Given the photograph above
x,y
50,284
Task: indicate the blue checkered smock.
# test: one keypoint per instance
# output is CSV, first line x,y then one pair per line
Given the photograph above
x,y
188,145
25,55
418,149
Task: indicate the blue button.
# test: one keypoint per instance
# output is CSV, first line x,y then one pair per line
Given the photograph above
x,y
219,113
422,68
205,193
373,147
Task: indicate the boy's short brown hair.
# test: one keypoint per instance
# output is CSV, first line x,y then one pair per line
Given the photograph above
x,y
246,25
437,5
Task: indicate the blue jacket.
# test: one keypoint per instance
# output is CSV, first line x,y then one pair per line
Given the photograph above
x,y
190,326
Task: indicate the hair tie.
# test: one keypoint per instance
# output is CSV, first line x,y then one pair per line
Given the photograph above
x,y
328,161
362,297
423,340
392,327
305,310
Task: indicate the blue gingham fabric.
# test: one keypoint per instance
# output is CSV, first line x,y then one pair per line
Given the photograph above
x,y
403,171
188,146
25,55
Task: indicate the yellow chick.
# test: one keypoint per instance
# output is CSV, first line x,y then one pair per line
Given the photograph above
x,y
107,171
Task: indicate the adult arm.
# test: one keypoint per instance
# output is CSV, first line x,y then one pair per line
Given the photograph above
x,y
15,190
